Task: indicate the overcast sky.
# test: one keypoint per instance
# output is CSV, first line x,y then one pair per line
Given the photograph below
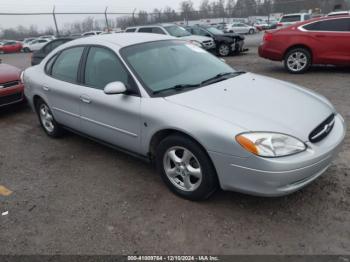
x,y
71,6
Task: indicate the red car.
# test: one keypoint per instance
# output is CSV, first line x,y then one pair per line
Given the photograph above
x,y
11,86
10,47
318,41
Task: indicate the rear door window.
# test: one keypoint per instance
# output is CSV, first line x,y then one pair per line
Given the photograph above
x,y
146,30
336,25
291,18
66,65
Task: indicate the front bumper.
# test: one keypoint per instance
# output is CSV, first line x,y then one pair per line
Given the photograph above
x,y
272,177
238,47
11,95
209,46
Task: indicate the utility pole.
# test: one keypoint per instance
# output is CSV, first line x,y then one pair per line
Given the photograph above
x,y
133,17
107,24
54,19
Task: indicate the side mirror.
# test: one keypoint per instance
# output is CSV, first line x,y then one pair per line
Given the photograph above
x,y
115,88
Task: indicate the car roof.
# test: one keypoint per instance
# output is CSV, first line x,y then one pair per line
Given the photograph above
x,y
339,13
121,39
152,25
296,14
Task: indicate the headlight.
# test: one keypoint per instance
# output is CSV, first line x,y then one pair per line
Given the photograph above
x,y
266,144
21,78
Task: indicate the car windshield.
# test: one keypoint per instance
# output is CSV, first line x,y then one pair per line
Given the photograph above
x,y
177,31
164,65
215,31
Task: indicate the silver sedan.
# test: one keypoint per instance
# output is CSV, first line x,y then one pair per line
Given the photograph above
x,y
202,123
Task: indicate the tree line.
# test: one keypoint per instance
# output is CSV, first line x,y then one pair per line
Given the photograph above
x,y
187,11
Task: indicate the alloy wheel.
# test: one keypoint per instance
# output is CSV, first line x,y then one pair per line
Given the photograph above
x,y
182,168
46,118
297,61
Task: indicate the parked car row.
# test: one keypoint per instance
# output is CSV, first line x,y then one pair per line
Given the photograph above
x,y
131,91
207,37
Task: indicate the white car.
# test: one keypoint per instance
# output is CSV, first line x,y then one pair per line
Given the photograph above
x,y
240,28
35,45
290,19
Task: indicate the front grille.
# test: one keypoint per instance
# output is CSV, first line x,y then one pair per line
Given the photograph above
x,y
207,42
13,98
323,130
9,84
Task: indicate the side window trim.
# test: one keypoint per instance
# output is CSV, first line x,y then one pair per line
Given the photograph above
x,y
82,65
48,71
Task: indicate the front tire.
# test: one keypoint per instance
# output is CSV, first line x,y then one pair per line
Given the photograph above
x,y
224,50
297,60
47,121
186,168
251,31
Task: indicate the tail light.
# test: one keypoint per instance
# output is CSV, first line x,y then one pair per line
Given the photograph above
x,y
268,37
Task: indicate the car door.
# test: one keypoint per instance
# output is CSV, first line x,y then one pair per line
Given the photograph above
x,y
61,86
114,119
331,40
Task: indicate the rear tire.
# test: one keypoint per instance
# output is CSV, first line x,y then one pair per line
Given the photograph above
x,y
26,50
297,60
47,121
251,31
186,168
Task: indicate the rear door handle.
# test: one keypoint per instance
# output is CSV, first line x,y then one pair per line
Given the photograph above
x,y
85,99
320,35
45,88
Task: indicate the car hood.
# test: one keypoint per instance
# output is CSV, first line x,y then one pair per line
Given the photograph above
x,y
8,73
197,38
257,103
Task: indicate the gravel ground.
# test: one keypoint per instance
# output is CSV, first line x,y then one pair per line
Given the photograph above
x,y
73,196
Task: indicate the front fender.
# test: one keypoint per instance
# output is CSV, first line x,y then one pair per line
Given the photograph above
x,y
211,133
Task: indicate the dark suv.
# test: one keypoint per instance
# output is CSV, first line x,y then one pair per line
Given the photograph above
x,y
226,43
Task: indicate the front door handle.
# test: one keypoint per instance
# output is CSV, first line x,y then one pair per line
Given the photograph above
x,y
45,88
320,35
85,99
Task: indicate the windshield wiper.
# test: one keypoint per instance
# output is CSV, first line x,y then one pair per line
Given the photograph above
x,y
222,77
177,88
